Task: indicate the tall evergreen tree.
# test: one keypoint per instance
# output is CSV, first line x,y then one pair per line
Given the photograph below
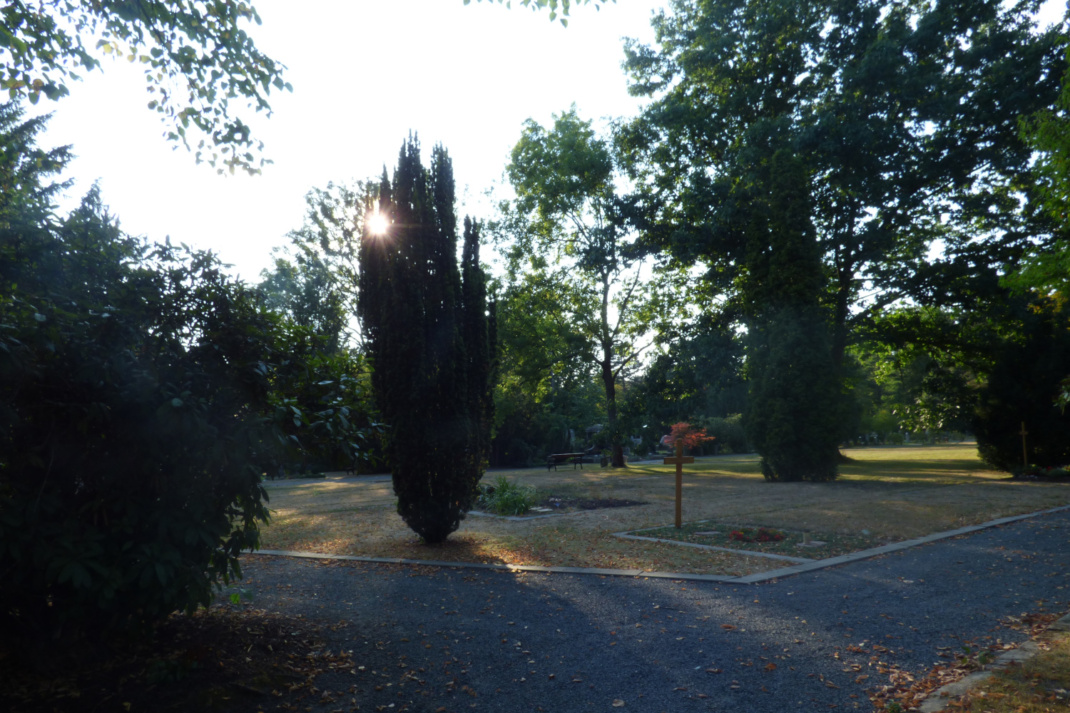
x,y
1027,372
794,410
429,338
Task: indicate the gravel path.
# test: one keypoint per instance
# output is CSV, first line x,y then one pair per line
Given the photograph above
x,y
433,639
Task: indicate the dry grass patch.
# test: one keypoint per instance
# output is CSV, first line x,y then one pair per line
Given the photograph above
x,y
883,495
1040,685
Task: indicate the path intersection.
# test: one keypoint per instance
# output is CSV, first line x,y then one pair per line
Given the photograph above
x,y
447,639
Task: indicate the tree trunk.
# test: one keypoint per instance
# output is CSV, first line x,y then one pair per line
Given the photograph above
x,y
839,327
609,380
615,446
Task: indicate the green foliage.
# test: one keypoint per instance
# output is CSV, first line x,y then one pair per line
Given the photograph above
x,y
199,46
794,417
546,391
905,115
564,232
325,400
928,364
315,277
136,418
506,498
27,201
529,425
729,432
430,338
308,294
698,377
1048,133
322,383
1021,388
552,5
133,429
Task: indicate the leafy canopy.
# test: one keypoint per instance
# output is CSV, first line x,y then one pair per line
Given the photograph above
x,y
552,5
198,60
905,114
565,226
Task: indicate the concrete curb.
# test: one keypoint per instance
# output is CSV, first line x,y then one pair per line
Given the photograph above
x,y
894,547
747,579
516,518
939,699
695,545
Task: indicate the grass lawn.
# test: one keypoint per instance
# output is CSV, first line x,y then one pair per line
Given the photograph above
x,y
883,495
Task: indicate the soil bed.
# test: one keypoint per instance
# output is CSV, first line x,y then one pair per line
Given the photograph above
x,y
558,503
812,545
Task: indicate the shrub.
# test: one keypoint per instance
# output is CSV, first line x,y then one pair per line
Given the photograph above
x,y
1023,387
692,437
794,412
729,432
133,428
505,498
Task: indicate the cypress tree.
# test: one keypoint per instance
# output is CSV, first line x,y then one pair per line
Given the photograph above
x,y
794,408
429,339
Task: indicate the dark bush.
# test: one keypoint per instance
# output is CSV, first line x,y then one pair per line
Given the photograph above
x,y
1022,388
729,432
133,427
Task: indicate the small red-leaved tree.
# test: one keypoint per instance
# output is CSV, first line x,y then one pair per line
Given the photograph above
x,y
691,436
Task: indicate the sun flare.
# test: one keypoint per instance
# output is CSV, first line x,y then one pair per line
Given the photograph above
x,y
378,224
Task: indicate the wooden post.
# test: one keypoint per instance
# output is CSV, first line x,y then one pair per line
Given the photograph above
x,y
1025,454
679,461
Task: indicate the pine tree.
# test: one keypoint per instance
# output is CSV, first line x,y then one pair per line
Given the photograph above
x,y
429,339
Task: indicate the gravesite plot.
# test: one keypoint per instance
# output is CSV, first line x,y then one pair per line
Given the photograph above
x,y
734,523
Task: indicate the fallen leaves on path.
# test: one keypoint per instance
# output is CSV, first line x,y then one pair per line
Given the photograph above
x,y
908,690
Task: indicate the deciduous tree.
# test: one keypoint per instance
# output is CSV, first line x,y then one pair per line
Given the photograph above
x,y
565,224
198,59
904,114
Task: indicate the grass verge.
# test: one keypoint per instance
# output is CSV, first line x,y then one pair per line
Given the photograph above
x,y
883,495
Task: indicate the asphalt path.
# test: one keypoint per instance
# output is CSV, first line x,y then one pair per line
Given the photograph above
x,y
445,639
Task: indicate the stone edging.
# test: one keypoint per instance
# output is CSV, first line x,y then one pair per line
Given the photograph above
x,y
697,546
939,699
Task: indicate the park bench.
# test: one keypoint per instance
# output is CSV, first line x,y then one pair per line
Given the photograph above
x,y
555,459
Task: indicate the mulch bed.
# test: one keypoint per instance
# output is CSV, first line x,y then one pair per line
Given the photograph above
x,y
561,503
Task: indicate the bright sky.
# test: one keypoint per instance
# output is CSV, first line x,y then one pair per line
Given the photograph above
x,y
364,74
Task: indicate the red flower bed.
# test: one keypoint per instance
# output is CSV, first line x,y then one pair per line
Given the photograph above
x,y
762,534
